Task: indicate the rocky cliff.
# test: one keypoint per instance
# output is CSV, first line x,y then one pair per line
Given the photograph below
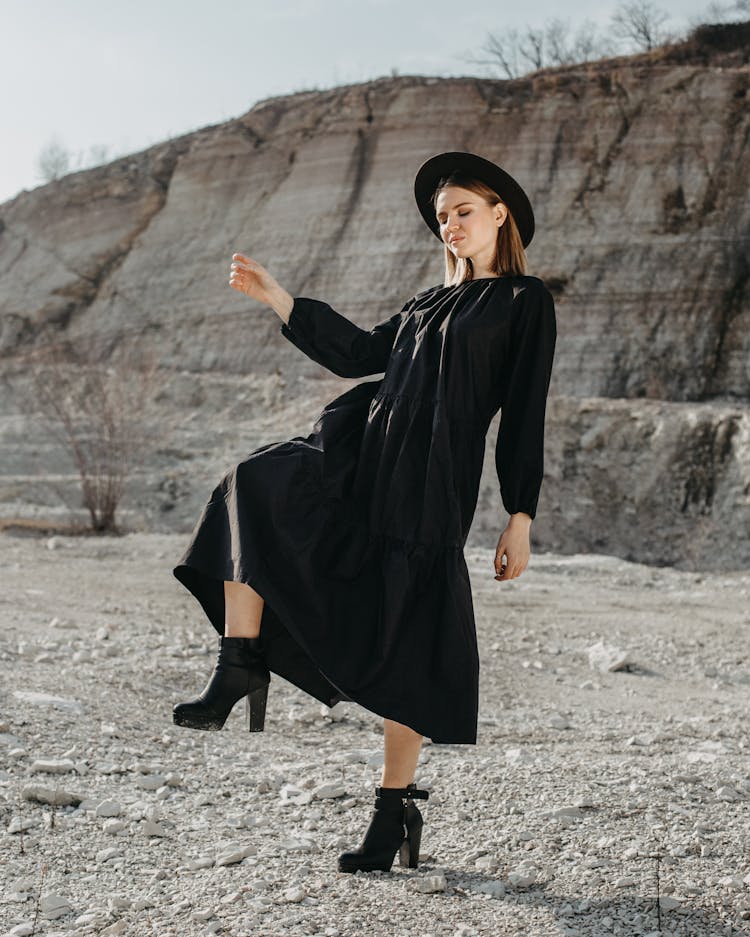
x,y
637,169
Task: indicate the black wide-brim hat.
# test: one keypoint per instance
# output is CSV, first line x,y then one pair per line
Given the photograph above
x,y
477,167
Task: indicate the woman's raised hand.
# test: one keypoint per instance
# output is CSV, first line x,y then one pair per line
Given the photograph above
x,y
249,277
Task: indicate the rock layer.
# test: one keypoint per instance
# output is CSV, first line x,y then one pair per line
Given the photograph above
x,y
637,170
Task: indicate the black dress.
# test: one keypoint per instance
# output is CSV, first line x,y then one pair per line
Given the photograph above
x,y
354,535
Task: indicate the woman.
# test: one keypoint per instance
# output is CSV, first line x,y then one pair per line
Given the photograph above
x,y
336,560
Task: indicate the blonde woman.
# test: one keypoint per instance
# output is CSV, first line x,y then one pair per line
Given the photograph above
x,y
336,560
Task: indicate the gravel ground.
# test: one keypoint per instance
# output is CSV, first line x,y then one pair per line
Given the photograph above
x,y
597,801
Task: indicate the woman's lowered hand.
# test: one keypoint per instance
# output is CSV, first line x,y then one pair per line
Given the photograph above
x,y
514,545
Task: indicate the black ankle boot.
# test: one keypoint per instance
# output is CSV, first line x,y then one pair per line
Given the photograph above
x,y
394,810
239,671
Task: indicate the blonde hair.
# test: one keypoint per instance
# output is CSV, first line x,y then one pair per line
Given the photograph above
x,y
510,256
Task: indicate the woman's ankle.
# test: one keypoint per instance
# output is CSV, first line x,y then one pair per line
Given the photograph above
x,y
240,631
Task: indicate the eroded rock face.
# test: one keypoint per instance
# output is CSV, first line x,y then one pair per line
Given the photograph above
x,y
637,170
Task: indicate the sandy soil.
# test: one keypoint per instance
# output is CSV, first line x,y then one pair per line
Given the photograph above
x,y
596,802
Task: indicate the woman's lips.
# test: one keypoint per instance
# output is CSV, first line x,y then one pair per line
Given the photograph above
x,y
456,240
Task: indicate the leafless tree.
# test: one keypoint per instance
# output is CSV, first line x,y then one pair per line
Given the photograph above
x,y
515,53
532,47
101,414
53,161
640,22
501,51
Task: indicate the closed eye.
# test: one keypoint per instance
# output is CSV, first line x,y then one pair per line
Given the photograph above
x,y
460,215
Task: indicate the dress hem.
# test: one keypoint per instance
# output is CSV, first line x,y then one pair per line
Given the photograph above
x,y
302,678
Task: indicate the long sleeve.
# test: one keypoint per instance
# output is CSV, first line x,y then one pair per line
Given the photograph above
x,y
337,343
519,451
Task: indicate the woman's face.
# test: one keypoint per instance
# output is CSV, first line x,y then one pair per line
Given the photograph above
x,y
468,225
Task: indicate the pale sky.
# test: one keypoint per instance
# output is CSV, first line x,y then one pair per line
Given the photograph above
x,y
130,74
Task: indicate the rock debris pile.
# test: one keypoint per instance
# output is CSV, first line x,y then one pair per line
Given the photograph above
x,y
609,792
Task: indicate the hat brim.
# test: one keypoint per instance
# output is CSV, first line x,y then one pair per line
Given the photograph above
x,y
508,190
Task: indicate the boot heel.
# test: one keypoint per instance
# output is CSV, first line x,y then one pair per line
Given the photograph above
x,y
408,854
255,708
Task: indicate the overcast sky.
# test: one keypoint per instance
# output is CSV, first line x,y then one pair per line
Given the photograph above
x,y
127,75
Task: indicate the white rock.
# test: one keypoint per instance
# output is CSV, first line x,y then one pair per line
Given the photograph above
x,y
728,794
557,721
113,826
140,904
607,657
52,796
518,755
354,756
567,811
53,765
465,930
523,876
108,808
150,782
296,844
22,930
47,699
295,894
492,887
20,824
431,884
293,794
329,791
23,884
151,828
202,862
667,903
118,903
233,853
301,715
96,916
54,906
114,930
488,863
104,855
732,881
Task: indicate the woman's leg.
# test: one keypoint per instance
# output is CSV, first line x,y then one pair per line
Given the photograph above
x,y
243,610
402,746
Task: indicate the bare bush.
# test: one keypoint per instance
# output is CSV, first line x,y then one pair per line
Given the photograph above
x,y
641,23
56,160
100,412
53,161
